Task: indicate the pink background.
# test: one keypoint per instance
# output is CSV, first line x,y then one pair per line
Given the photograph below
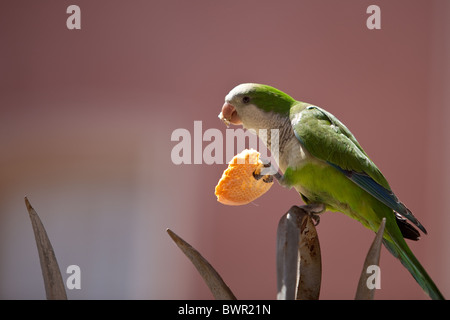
x,y
86,118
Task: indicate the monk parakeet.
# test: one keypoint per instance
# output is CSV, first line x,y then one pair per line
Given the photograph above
x,y
322,160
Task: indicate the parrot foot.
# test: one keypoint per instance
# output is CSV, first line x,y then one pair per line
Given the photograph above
x,y
268,177
314,209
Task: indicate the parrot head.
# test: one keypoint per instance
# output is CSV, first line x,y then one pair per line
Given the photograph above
x,y
254,105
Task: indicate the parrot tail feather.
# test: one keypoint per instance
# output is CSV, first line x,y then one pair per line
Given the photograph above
x,y
407,230
407,258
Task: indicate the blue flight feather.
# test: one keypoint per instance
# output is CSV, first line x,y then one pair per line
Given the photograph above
x,y
379,192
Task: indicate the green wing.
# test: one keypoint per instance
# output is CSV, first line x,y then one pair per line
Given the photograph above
x,y
328,139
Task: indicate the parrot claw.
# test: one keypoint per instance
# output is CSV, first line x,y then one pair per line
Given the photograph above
x,y
268,173
267,178
314,209
316,219
257,176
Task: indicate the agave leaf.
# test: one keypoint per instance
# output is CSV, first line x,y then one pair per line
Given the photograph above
x,y
299,266
363,292
54,285
212,278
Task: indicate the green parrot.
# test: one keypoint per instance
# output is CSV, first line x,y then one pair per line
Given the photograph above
x,y
323,161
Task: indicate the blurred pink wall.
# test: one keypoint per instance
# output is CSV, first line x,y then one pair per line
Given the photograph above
x,y
86,118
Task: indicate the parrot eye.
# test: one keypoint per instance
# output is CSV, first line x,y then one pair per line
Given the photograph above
x,y
246,99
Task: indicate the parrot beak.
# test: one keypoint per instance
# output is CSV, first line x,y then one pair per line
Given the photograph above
x,y
229,115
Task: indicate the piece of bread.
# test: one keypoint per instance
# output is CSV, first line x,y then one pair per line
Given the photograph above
x,y
238,186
